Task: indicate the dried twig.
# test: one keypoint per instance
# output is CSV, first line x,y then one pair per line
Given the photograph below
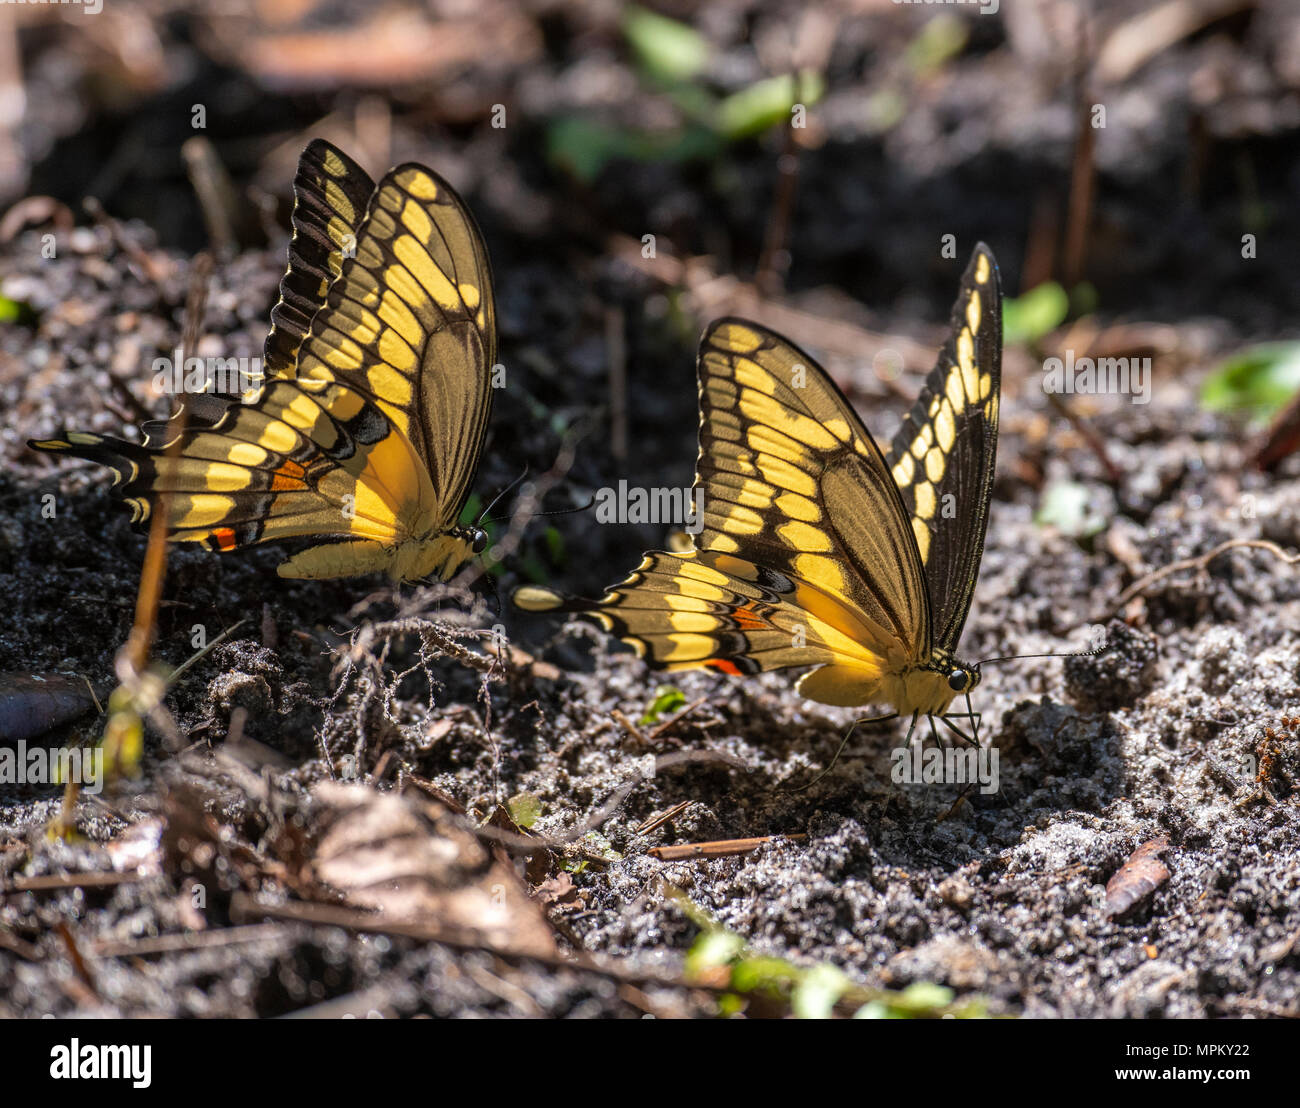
x,y
775,258
524,845
15,945
243,907
1114,475
656,822
79,966
720,848
1280,440
1200,564
616,356
628,726
670,723
185,941
51,882
150,268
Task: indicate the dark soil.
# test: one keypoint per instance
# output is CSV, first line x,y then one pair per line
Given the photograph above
x,y
1002,895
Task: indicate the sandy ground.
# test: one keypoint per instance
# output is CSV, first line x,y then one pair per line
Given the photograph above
x,y
1000,895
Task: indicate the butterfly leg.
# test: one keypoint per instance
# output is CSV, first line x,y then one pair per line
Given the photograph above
x,y
866,722
843,743
970,714
975,717
496,594
911,727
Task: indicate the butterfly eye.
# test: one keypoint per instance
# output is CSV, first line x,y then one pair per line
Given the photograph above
x,y
958,680
478,540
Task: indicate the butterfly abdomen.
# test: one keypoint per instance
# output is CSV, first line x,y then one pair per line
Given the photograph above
x,y
415,560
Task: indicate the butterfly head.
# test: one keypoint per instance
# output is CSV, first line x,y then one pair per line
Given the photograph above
x,y
437,556
962,678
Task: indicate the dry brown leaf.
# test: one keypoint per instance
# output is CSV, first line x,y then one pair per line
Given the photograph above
x,y
560,892
1137,878
414,860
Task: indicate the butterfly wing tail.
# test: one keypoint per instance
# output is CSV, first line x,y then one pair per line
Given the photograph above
x,y
538,598
124,458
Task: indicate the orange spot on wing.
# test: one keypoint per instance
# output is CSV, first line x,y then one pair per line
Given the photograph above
x,y
723,666
748,618
225,537
288,476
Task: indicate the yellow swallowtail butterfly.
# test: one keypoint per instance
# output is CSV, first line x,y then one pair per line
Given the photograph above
x,y
817,549
366,430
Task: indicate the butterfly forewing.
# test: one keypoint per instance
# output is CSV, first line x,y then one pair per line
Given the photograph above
x,y
410,324
331,193
942,458
792,481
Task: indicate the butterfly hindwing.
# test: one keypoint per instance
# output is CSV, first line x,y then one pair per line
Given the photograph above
x,y
716,611
942,458
283,467
805,556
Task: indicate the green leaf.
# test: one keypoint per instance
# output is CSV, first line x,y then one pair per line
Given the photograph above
x,y
873,1010
524,809
583,147
765,103
818,991
1257,380
883,110
760,973
554,545
712,949
729,1004
668,698
1030,316
1084,299
668,51
922,997
975,1008
16,311
532,569
470,512
943,37
1066,506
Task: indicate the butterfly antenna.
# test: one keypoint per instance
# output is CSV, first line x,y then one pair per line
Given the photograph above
x,y
839,750
1017,657
556,511
496,499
